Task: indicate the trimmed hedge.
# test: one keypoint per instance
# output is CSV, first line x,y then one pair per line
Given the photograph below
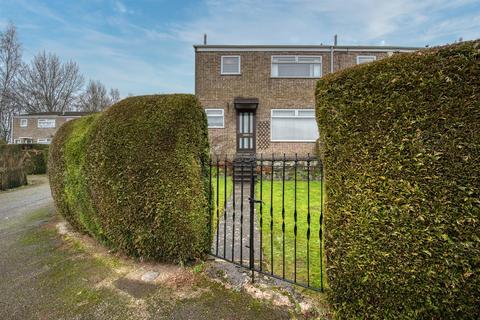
x,y
401,146
35,158
135,176
12,171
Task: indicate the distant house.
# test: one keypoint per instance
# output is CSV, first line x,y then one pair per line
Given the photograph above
x,y
260,99
39,127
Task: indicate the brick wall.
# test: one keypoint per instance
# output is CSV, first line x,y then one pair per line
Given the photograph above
x,y
32,130
218,91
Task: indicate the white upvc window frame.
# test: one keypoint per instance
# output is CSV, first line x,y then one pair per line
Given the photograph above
x,y
296,116
231,73
298,62
43,120
374,58
22,140
23,122
44,140
223,117
17,141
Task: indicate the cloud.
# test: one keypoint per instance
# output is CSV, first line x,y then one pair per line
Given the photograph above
x,y
140,50
40,9
122,8
315,21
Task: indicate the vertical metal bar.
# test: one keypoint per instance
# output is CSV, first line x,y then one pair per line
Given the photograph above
x,y
308,220
261,212
218,205
210,207
241,213
295,220
225,208
320,231
283,216
252,222
233,209
271,218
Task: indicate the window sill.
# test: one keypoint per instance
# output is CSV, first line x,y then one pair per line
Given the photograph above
x,y
230,74
295,77
293,141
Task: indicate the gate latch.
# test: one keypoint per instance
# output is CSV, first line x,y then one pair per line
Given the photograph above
x,y
255,200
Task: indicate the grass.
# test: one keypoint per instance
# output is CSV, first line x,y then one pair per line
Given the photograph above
x,y
305,252
221,194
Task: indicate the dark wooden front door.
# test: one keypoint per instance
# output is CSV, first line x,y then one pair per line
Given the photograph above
x,y
246,132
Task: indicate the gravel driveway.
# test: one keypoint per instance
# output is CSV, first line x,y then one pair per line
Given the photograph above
x,y
16,202
44,275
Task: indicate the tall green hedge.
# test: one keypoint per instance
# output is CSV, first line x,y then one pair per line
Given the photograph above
x,y
401,146
135,176
35,158
12,171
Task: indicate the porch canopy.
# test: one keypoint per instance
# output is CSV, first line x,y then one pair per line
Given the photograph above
x,y
245,104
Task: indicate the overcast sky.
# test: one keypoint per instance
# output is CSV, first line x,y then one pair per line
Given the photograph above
x,y
145,46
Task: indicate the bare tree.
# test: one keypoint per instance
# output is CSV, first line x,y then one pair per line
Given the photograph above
x,y
114,95
10,65
48,85
95,97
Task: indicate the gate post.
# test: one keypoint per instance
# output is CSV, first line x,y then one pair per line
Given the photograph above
x,y
252,216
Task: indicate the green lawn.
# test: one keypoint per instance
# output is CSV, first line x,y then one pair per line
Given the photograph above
x,y
302,226
221,195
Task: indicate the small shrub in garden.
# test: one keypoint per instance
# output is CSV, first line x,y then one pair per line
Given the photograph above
x,y
135,176
401,146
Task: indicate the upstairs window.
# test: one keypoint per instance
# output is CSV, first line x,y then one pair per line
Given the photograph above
x,y
23,123
296,66
46,123
215,118
365,59
294,125
230,65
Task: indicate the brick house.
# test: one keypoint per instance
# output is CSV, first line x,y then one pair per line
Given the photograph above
x,y
39,127
261,99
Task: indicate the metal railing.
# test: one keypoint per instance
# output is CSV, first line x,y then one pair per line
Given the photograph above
x,y
267,216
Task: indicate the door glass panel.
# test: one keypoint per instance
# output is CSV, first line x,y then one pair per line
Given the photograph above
x,y
244,116
245,131
251,122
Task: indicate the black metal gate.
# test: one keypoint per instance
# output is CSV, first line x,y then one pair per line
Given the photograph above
x,y
267,216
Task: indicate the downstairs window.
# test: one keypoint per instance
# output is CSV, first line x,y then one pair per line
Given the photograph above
x,y
293,125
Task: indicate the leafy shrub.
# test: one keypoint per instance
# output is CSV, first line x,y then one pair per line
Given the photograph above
x,y
35,158
401,145
69,180
12,172
135,176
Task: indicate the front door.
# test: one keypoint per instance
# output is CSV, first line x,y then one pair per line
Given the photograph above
x,y
246,132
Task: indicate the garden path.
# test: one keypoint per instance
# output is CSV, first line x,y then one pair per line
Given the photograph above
x,y
232,225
